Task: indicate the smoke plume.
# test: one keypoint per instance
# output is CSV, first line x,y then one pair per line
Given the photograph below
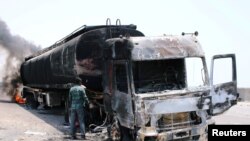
x,y
17,48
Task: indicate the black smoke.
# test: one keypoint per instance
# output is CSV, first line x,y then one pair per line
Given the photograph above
x,y
17,49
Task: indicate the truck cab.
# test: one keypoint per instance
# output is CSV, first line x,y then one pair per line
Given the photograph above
x,y
158,88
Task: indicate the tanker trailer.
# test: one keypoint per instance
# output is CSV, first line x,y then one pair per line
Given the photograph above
x,y
48,75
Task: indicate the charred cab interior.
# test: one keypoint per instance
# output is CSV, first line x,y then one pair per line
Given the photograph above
x,y
165,75
169,74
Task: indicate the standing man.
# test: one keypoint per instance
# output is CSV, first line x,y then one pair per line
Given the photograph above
x,y
77,99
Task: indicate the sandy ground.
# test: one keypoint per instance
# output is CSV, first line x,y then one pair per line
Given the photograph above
x,y
238,114
19,123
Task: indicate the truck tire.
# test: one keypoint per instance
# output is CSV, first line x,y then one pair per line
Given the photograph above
x,y
126,134
120,133
31,102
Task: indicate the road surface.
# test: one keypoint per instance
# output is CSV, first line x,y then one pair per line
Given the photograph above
x,y
238,114
18,123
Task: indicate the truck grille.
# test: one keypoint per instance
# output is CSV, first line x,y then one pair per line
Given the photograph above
x,y
175,121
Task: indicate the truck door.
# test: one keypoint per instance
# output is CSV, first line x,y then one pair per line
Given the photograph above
x,y
223,82
121,97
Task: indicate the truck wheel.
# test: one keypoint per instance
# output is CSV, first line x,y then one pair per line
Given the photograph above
x,y
126,134
120,133
31,102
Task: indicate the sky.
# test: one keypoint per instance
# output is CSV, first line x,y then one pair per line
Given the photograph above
x,y
223,25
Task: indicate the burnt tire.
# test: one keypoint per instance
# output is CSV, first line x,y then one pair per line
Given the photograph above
x,y
31,102
120,133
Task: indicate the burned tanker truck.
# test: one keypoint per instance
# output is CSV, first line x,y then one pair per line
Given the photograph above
x,y
142,88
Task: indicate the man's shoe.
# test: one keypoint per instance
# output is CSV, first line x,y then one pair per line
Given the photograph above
x,y
73,137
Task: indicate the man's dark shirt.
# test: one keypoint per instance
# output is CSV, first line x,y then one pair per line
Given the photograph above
x,y
77,97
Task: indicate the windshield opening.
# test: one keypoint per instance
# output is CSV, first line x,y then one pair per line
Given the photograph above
x,y
170,74
159,75
195,72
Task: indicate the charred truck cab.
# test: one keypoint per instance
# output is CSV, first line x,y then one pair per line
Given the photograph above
x,y
149,90
143,88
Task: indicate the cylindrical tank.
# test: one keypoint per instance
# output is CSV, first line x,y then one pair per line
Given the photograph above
x,y
79,55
